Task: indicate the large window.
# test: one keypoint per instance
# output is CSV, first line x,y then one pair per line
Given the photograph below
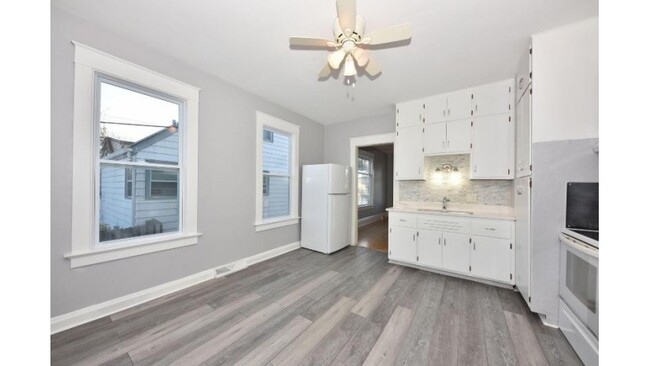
x,y
135,136
277,182
364,180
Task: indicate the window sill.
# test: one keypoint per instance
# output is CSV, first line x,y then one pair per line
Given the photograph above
x,y
276,223
365,206
82,259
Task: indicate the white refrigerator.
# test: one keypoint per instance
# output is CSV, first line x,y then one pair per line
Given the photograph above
x,y
325,214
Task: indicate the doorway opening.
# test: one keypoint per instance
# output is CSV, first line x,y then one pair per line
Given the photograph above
x,y
373,189
374,195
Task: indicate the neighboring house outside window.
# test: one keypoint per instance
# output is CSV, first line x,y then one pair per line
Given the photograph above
x,y
364,179
277,176
145,130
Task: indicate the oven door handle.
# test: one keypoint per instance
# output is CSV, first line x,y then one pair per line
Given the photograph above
x,y
581,247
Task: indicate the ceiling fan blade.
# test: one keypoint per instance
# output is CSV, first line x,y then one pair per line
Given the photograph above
x,y
325,72
335,58
310,42
373,67
395,33
350,69
361,56
347,11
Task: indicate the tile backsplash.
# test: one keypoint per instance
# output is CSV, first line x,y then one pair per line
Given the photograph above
x,y
455,185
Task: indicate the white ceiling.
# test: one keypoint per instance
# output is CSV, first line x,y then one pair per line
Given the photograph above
x,y
455,44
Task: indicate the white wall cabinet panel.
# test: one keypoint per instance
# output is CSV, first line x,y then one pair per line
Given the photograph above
x,y
491,258
409,113
459,136
455,252
435,138
491,156
523,139
402,243
493,98
430,248
524,73
522,237
409,155
459,105
435,108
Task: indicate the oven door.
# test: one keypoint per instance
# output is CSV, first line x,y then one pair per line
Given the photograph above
x,y
579,280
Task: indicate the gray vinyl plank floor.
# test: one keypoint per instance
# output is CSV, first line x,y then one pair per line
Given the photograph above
x,y
307,308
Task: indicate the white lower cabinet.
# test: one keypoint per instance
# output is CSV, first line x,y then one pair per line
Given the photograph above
x,y
430,248
404,243
481,248
491,258
455,252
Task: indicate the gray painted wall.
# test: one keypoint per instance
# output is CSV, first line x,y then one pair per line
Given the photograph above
x,y
337,136
380,172
226,208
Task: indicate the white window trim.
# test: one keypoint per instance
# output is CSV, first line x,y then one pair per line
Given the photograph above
x,y
370,157
273,123
88,62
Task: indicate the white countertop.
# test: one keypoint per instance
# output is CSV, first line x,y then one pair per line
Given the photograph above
x,y
478,211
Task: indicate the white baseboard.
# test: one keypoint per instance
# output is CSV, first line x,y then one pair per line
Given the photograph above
x,y
93,312
370,219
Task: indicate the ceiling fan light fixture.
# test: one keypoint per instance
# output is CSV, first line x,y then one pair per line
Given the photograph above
x,y
350,69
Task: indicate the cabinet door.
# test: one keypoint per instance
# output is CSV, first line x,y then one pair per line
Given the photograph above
x,y
459,136
490,259
522,81
459,105
492,144
409,113
430,248
435,138
402,244
455,252
435,108
493,98
522,236
523,159
409,156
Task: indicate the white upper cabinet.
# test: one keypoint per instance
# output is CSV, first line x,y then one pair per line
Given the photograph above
x,y
524,75
523,161
435,108
459,105
459,136
493,148
435,138
493,98
409,113
409,155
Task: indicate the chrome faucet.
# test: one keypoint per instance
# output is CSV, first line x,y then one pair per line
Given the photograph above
x,y
444,202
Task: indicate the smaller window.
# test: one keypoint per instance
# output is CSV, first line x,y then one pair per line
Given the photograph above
x,y
162,184
128,183
268,136
364,181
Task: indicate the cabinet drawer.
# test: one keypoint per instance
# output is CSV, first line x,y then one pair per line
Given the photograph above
x,y
492,228
443,224
404,220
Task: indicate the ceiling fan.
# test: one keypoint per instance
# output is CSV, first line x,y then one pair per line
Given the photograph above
x,y
351,45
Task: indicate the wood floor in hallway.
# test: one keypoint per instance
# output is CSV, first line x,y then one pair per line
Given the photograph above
x,y
374,236
307,308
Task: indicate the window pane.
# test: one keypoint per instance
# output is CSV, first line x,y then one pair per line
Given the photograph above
x,y
276,154
276,202
123,217
364,189
137,127
363,166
